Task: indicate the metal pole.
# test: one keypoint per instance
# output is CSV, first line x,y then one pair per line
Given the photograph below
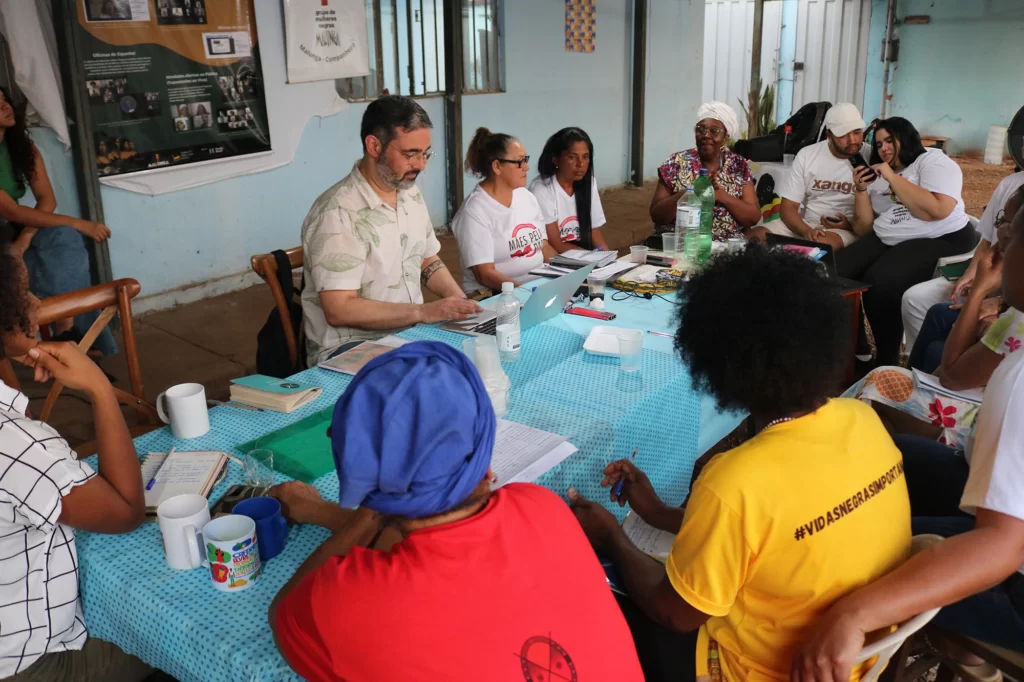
x,y
754,96
453,81
636,164
890,24
73,70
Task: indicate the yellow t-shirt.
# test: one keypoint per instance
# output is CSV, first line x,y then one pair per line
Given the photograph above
x,y
779,528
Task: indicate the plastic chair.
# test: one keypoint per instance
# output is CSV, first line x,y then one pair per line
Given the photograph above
x,y
890,644
959,258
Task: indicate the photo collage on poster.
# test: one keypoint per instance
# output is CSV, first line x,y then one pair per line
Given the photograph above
x,y
170,12
179,94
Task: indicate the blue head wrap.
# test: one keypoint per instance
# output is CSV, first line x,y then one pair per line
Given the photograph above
x,y
413,433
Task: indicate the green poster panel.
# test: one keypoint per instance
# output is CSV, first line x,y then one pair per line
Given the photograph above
x,y
171,82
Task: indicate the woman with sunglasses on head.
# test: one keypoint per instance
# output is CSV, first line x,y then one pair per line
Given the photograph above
x,y
499,227
567,192
736,209
908,213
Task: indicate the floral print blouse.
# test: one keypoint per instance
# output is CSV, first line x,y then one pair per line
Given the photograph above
x,y
682,168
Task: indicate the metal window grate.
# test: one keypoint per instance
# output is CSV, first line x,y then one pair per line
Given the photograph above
x,y
406,40
483,47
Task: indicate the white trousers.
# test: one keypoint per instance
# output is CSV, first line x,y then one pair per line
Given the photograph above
x,y
916,302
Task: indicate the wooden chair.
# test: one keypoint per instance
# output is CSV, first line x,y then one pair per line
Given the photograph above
x,y
264,265
109,298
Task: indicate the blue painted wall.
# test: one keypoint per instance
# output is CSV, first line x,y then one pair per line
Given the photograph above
x,y
675,75
547,88
956,75
195,235
60,168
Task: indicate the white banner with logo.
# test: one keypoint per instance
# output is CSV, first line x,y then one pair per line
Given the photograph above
x,y
326,39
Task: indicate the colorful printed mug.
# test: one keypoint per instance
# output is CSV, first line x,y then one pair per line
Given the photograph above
x,y
232,552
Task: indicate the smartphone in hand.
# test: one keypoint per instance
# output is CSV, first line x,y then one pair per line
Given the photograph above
x,y
858,161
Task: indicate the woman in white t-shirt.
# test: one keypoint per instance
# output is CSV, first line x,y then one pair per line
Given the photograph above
x,y
499,226
907,218
975,499
567,192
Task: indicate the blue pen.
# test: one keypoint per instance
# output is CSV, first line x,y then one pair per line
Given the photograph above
x,y
617,490
152,481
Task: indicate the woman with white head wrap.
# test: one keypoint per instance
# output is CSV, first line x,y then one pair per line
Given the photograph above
x,y
736,208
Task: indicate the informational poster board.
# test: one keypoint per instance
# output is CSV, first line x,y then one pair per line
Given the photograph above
x,y
326,39
171,82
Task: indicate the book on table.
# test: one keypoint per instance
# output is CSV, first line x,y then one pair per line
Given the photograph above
x,y
354,359
185,473
580,258
271,393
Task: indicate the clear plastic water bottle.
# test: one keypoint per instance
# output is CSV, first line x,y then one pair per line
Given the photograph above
x,y
688,224
705,191
508,323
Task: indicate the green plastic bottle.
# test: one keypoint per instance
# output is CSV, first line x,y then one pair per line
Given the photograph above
x,y
705,191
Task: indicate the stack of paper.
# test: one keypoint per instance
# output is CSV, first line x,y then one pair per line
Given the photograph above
x,y
579,258
973,395
652,541
523,454
610,271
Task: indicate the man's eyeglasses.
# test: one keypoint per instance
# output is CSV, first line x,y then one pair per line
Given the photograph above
x,y
714,132
412,156
518,162
1001,218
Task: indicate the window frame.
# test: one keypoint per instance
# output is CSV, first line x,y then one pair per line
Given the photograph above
x,y
367,88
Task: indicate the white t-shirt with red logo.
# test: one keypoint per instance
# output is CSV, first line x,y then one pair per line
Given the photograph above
x,y
511,237
558,207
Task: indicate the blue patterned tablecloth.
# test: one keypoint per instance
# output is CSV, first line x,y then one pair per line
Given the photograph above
x,y
176,621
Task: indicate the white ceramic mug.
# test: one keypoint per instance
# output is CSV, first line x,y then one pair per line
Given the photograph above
x,y
182,517
231,552
186,410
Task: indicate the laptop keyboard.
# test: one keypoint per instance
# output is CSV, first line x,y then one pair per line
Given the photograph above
x,y
488,327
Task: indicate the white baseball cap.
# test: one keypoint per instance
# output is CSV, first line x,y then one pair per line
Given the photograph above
x,y
844,118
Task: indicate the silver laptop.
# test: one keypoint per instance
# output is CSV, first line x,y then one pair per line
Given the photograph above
x,y
546,301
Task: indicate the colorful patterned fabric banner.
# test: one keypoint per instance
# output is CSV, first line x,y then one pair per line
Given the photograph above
x,y
580,25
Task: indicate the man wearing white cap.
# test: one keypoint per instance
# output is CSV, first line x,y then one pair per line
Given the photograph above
x,y
821,179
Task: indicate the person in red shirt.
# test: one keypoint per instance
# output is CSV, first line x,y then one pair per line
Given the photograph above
x,y
500,586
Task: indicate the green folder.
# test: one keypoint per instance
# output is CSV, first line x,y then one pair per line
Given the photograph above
x,y
301,450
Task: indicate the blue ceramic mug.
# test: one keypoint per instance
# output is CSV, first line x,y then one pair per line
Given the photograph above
x,y
271,528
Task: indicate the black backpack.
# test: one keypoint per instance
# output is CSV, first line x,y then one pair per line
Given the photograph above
x,y
806,129
271,345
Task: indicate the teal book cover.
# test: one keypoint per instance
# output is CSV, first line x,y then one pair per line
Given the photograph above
x,y
272,384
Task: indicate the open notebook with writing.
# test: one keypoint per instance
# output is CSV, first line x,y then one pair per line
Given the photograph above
x,y
185,473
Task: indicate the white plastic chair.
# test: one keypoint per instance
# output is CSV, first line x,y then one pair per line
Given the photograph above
x,y
890,644
959,258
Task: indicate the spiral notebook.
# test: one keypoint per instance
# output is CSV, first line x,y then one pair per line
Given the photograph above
x,y
185,473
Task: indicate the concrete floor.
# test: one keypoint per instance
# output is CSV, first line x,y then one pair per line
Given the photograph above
x,y
213,341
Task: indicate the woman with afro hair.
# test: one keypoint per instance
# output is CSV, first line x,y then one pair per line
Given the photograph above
x,y
775,530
